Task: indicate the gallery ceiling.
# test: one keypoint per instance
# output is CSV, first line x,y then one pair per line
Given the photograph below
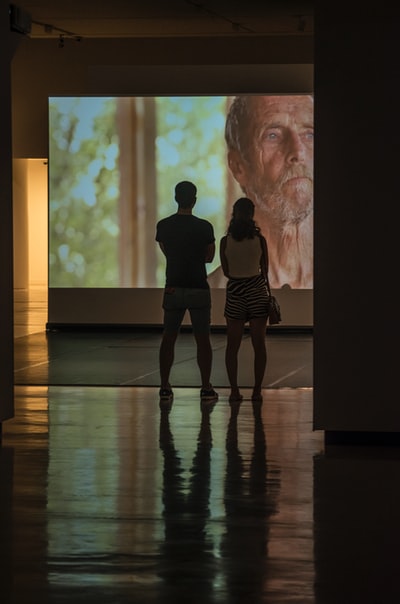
x,y
165,18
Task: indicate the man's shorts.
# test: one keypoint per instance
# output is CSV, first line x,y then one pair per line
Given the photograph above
x,y
177,300
246,298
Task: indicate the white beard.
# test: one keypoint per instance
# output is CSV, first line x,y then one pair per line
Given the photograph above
x,y
280,208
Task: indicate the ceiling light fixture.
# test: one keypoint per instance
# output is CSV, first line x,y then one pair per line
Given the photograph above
x,y
63,33
235,26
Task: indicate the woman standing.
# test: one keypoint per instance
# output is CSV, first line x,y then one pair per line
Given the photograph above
x,y
244,261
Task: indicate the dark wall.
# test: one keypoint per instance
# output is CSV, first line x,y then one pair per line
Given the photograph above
x,y
356,232
7,48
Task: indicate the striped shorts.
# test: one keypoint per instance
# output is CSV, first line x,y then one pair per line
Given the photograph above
x,y
246,298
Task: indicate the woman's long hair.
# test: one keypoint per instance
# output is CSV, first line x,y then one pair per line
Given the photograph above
x,y
242,224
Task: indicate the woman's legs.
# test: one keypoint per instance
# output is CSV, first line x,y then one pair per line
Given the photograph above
x,y
235,329
257,331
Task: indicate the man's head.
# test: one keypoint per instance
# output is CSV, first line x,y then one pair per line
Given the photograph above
x,y
185,194
270,142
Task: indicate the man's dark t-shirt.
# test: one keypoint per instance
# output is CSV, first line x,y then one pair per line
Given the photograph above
x,y
185,239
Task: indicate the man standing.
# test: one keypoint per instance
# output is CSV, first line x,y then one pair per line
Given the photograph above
x,y
188,243
270,145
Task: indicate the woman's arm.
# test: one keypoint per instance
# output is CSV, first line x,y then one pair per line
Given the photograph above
x,y
222,256
264,260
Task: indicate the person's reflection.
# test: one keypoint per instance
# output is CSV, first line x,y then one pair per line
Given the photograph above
x,y
250,495
186,555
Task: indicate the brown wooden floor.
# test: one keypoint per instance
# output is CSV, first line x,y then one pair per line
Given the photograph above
x,y
106,497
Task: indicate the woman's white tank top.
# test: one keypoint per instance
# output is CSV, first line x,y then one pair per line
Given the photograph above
x,y
243,257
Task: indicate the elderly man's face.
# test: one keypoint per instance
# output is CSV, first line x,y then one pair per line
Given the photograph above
x,y
277,172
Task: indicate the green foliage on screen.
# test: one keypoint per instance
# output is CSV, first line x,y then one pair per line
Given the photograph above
x,y
83,192
85,175
190,146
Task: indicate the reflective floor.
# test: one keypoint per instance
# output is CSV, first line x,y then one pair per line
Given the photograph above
x,y
108,497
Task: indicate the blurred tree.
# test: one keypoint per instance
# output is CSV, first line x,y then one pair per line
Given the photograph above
x,y
190,145
113,167
83,193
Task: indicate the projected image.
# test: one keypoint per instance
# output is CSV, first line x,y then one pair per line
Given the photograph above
x,y
114,163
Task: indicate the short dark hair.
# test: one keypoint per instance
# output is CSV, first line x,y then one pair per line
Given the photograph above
x,y
185,194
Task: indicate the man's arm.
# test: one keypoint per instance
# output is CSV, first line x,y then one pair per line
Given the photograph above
x,y
160,243
210,252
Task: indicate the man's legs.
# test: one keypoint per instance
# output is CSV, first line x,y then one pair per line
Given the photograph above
x,y
204,358
166,357
174,311
198,302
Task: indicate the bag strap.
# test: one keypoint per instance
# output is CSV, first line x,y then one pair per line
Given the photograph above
x,y
264,251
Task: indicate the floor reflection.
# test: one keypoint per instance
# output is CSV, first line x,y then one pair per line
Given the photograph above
x,y
113,500
187,555
250,498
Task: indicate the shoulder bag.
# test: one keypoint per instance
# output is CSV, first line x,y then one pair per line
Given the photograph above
x,y
274,310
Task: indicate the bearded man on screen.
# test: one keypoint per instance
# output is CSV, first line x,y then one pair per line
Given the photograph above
x,y
270,141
